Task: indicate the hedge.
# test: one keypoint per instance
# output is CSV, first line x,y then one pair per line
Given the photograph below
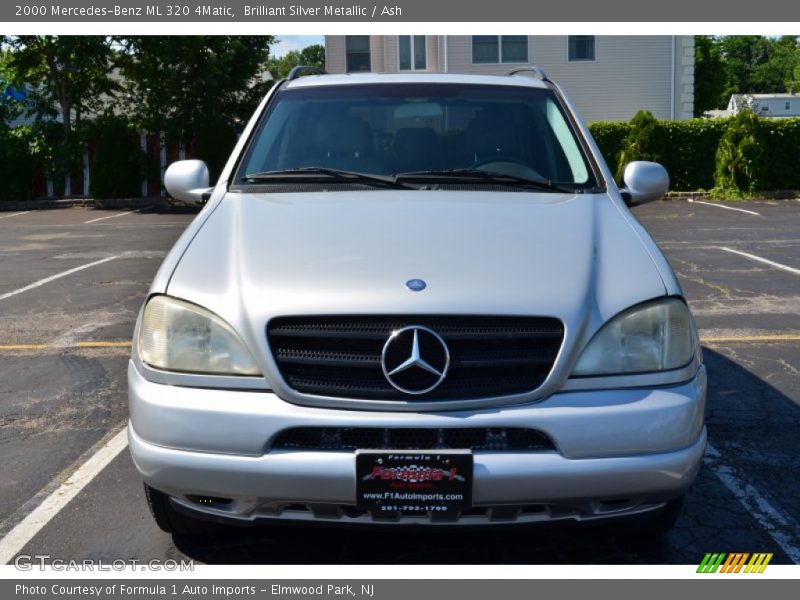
x,y
691,151
689,148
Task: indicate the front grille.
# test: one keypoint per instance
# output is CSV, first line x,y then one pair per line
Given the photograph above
x,y
375,438
340,356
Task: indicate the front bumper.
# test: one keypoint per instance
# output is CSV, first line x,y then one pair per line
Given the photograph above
x,y
619,452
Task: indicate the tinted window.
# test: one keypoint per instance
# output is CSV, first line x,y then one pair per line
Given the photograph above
x,y
397,128
581,47
357,47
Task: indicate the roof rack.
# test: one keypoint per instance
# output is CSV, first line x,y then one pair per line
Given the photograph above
x,y
300,69
537,72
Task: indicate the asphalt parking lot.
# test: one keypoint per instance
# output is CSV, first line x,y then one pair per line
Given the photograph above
x,y
72,281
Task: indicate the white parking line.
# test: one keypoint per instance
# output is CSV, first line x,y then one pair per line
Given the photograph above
x,y
41,282
779,526
771,263
122,214
749,212
32,524
24,212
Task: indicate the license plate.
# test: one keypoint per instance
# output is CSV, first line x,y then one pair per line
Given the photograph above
x,y
413,481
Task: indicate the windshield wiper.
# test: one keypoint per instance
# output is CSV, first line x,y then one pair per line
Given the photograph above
x,y
481,175
307,174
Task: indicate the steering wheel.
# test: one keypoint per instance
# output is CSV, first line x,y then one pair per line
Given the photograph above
x,y
503,158
511,160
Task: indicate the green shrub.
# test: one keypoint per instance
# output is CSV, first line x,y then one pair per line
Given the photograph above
x,y
118,164
645,141
609,136
740,157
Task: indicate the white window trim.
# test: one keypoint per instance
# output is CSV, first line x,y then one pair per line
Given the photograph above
x,y
582,60
399,70
500,53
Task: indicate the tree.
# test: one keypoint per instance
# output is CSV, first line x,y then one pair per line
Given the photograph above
x,y
740,157
757,64
67,77
645,141
710,75
177,82
313,55
191,85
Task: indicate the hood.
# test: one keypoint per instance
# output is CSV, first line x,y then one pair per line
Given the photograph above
x,y
571,256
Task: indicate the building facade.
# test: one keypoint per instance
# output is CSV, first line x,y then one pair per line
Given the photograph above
x,y
765,105
609,78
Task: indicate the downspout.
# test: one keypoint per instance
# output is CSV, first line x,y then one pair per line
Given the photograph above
x,y
674,87
445,53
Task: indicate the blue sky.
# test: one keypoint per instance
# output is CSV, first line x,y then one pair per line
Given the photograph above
x,y
294,42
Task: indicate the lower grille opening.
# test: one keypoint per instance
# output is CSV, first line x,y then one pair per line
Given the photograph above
x,y
374,438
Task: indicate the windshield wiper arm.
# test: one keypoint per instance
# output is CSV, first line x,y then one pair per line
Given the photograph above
x,y
488,176
315,173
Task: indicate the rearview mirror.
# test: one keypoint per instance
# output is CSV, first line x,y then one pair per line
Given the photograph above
x,y
644,182
187,180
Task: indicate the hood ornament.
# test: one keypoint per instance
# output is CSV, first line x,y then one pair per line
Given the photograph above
x,y
416,285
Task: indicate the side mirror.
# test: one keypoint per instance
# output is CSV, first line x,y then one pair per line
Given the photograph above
x,y
644,182
187,180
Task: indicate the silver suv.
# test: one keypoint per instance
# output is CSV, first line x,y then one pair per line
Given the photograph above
x,y
415,300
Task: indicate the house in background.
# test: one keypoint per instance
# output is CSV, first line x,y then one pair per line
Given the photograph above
x,y
764,105
609,78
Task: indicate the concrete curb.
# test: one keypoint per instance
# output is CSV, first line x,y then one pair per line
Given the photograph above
x,y
704,195
109,203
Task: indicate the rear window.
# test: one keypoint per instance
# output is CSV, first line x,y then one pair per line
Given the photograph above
x,y
388,129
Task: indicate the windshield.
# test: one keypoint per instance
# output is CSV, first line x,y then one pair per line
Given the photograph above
x,y
395,129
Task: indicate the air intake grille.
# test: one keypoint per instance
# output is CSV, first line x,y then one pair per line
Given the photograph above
x,y
374,438
341,356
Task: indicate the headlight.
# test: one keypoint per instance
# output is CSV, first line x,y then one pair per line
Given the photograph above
x,y
656,336
178,336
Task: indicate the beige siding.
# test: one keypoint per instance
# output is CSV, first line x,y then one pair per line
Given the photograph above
x,y
432,50
629,72
335,56
684,77
376,53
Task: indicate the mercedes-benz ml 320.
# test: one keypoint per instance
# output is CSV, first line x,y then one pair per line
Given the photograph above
x,y
415,299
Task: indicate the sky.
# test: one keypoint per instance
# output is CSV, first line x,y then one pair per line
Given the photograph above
x,y
294,42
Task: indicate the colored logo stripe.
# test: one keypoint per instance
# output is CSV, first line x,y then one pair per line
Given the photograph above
x,y
734,562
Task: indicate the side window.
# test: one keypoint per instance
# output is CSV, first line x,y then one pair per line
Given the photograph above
x,y
485,49
357,48
514,48
493,49
412,53
581,48
567,141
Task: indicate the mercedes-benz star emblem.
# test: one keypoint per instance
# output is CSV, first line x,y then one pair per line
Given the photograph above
x,y
415,359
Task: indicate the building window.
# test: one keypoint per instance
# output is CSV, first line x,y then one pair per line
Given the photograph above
x,y
581,47
788,106
357,48
411,49
488,49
